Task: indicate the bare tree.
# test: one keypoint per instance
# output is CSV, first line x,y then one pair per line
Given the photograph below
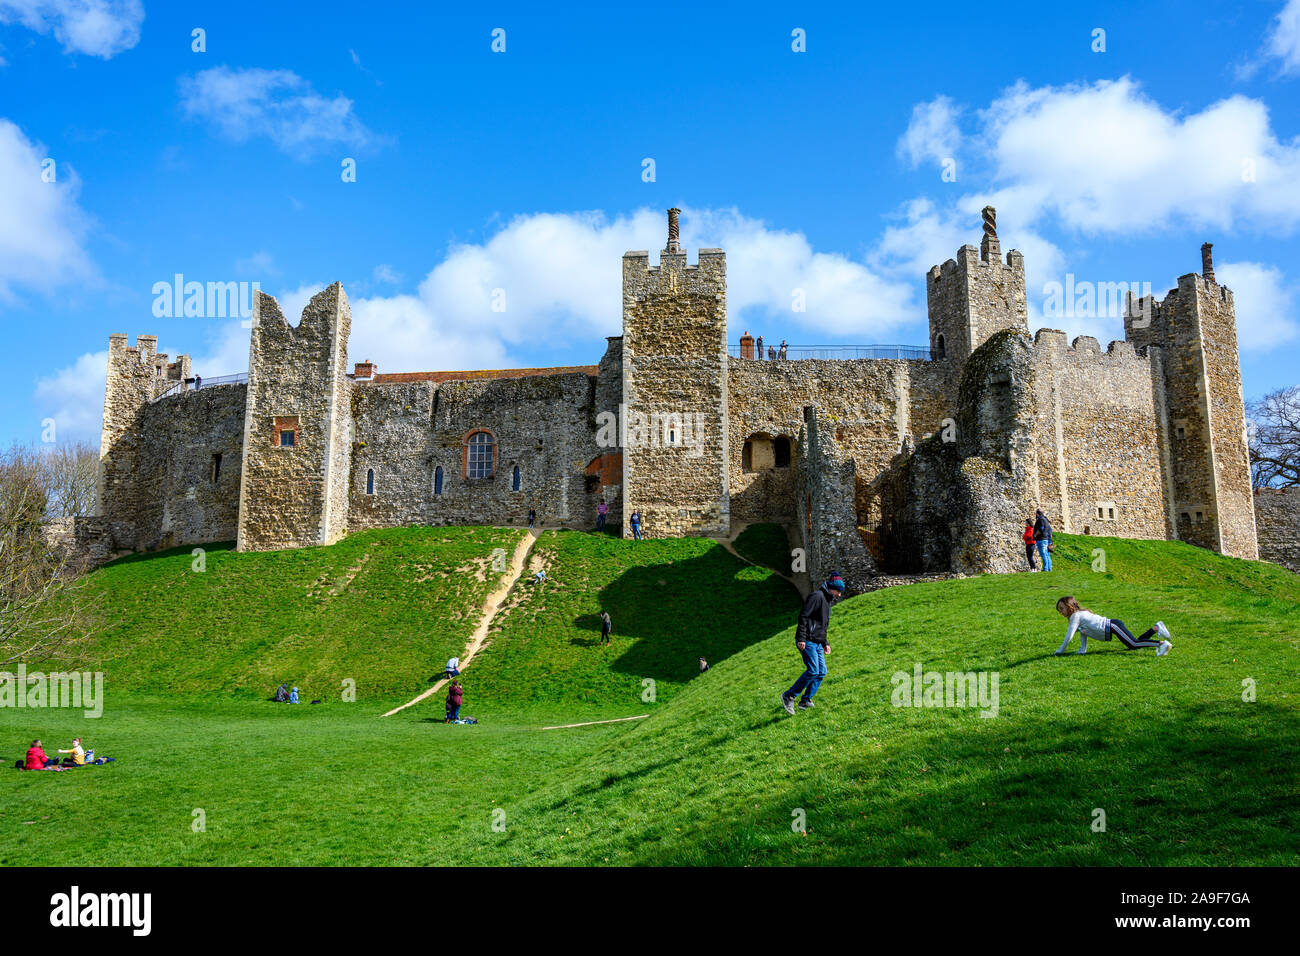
x,y
1275,439
44,612
71,473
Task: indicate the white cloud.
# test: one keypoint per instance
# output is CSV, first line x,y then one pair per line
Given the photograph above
x,y
932,133
260,263
387,274
100,28
1105,158
1265,304
1283,40
279,104
43,229
74,398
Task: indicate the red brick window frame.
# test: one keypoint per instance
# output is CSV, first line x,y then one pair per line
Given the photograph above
x,y
286,423
477,439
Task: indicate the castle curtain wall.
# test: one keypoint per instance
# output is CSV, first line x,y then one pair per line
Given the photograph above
x,y
544,425
1099,435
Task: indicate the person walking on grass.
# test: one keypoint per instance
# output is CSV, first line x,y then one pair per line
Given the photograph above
x,y
812,638
532,517
1028,538
1043,538
454,697
602,511
1100,628
606,627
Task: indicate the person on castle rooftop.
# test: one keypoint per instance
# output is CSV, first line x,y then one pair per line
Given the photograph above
x,y
812,638
1100,628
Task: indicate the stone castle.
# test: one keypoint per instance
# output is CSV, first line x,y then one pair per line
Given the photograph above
x,y
876,465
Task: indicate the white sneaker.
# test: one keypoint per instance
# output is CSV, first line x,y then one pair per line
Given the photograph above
x,y
1163,649
1162,630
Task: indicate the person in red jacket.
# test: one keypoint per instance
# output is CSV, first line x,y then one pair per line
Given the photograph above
x,y
453,701
36,759
1028,538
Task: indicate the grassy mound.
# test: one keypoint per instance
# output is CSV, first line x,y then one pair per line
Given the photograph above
x,y
1185,768
383,608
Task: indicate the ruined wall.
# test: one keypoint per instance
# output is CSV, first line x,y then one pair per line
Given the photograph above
x,y
296,495
872,406
1277,518
543,425
959,505
675,380
136,375
1099,439
824,481
184,498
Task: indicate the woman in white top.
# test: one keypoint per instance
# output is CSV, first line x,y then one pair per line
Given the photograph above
x,y
1102,629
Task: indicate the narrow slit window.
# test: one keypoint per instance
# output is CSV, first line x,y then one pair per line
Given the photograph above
x,y
437,480
515,479
370,481
216,467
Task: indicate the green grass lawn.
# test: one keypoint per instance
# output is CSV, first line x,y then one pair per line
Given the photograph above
x,y
1186,771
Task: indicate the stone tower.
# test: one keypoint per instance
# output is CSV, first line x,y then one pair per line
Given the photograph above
x,y
297,426
975,295
136,376
674,417
1192,338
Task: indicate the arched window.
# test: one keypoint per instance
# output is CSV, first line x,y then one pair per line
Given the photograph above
x,y
480,455
781,451
370,482
514,479
938,347
437,480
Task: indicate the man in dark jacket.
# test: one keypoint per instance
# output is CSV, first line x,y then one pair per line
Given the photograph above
x,y
1043,538
812,638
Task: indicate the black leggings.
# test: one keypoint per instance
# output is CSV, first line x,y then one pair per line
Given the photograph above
x,y
1133,643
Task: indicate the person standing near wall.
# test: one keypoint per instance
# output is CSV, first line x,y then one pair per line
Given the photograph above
x,y
1043,538
532,517
812,638
636,525
1028,538
602,510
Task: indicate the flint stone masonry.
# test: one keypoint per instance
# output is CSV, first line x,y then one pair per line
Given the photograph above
x,y
1277,518
877,467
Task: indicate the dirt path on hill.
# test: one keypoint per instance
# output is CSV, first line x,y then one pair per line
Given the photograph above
x,y
800,584
490,608
590,723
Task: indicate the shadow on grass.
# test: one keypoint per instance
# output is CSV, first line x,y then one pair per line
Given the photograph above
x,y
710,606
1201,788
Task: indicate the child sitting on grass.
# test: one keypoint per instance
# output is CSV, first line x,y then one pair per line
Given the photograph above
x,y
1102,629
78,758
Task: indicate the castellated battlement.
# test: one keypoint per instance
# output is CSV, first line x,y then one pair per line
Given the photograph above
x,y
1084,348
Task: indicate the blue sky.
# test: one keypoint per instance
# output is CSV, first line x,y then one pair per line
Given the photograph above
x,y
522,171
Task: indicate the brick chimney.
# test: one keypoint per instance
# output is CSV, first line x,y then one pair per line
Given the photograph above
x,y
747,346
1207,262
364,370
